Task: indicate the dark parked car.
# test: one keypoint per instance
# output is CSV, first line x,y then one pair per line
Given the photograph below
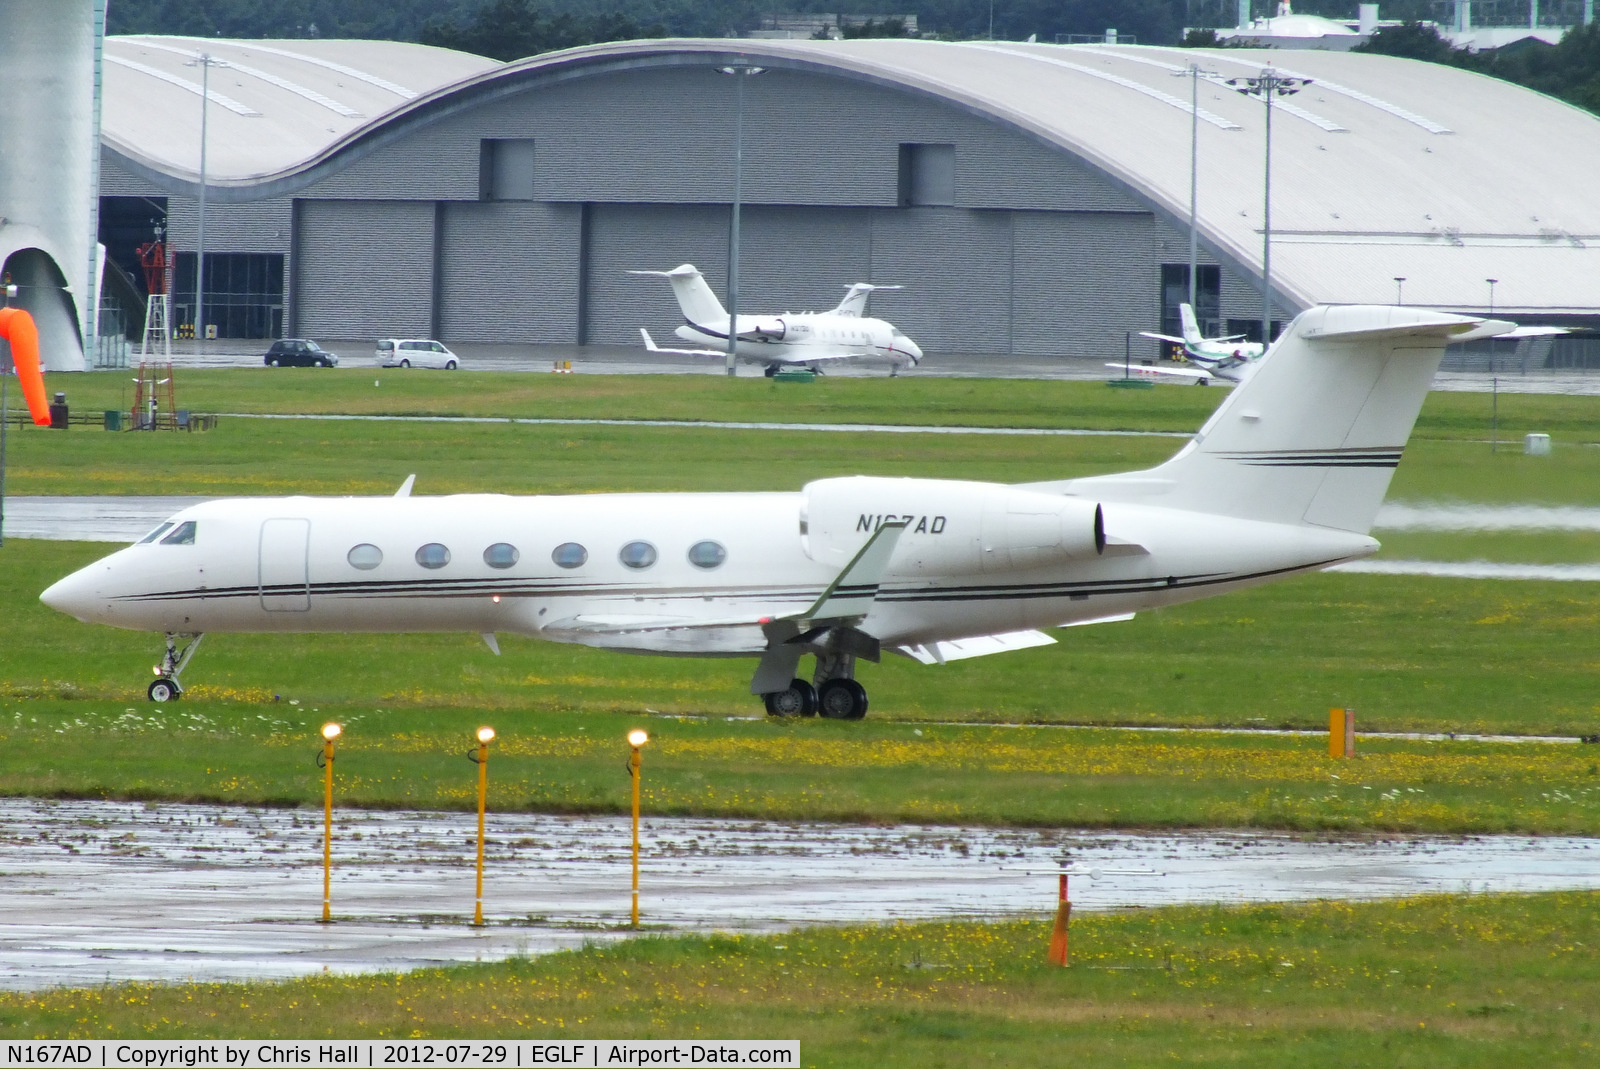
x,y
299,352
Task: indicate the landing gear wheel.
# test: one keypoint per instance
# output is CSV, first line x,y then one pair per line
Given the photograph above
x,y
164,690
771,370
799,700
842,699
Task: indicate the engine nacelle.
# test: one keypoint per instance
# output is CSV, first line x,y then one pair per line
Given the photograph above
x,y
767,328
952,527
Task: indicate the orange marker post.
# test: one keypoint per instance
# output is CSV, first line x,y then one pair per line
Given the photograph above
x,y
1060,952
330,731
636,739
485,736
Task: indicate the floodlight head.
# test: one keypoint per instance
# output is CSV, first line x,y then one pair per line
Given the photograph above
x,y
486,734
330,731
637,738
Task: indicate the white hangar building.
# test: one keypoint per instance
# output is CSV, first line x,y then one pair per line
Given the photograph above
x,y
1032,199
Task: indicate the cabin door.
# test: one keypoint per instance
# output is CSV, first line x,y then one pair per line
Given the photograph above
x,y
285,577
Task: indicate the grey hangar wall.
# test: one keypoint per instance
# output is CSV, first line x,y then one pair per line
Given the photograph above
x,y
632,168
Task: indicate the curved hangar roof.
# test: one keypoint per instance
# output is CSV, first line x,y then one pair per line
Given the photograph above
x,y
1383,168
274,105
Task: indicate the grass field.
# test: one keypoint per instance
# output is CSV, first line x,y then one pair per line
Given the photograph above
x,y
878,771
908,399
1459,981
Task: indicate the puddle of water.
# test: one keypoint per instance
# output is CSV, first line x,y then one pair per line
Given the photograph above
x,y
1476,569
98,891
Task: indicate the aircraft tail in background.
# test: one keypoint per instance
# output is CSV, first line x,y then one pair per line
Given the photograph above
x,y
700,306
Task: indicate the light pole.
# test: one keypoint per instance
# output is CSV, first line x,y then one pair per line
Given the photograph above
x,y
480,756
1267,85
740,71
1194,72
1399,283
205,61
636,739
330,731
1491,282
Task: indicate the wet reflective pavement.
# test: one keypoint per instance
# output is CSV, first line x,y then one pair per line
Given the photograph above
x,y
98,891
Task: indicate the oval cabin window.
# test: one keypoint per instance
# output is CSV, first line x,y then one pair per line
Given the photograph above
x,y
569,555
433,555
501,555
707,554
366,556
638,555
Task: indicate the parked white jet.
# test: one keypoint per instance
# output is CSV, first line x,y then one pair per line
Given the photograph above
x,y
1285,477
808,339
1227,359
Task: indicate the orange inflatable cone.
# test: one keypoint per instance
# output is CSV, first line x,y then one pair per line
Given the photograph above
x,y
16,326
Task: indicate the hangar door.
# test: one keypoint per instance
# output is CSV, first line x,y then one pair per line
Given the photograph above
x,y
792,259
363,269
1081,279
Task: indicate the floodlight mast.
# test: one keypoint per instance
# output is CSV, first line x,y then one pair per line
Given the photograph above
x,y
205,61
1267,86
740,69
1194,73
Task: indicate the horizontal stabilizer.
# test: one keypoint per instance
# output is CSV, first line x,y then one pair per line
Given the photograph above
x,y
962,648
1117,619
650,344
1142,371
1160,337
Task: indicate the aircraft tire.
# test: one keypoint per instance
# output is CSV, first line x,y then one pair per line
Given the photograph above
x,y
842,699
799,700
771,370
164,690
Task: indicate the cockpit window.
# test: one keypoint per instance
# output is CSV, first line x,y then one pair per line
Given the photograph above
x,y
157,533
183,535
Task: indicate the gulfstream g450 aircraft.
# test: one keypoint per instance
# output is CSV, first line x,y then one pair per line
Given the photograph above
x,y
808,339
1285,477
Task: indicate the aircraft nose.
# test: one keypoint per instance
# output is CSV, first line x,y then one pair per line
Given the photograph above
x,y
76,595
912,350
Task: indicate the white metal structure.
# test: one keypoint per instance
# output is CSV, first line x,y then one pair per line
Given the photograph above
x,y
1215,359
1285,477
807,339
47,168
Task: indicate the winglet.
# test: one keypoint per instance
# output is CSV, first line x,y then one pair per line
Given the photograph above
x,y
405,487
649,342
851,595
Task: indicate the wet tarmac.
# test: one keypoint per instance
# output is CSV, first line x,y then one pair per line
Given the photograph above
x,y
633,360
96,891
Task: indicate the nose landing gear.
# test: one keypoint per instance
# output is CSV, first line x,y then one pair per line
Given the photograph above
x,y
166,687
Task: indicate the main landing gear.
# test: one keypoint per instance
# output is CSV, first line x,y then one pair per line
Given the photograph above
x,y
166,687
834,693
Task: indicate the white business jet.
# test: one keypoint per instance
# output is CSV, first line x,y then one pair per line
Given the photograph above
x,y
808,339
1284,478
1226,360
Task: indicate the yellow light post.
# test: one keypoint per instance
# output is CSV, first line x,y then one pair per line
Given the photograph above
x,y
485,737
330,731
636,739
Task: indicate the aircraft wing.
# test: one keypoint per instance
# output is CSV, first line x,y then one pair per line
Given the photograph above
x,y
1161,337
658,633
961,649
650,344
1142,371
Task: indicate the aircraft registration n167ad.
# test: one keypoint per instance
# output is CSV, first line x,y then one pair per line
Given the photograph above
x,y
1285,477
804,340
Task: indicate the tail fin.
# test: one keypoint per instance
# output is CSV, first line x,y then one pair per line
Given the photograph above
x,y
855,301
1314,435
1191,327
700,306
